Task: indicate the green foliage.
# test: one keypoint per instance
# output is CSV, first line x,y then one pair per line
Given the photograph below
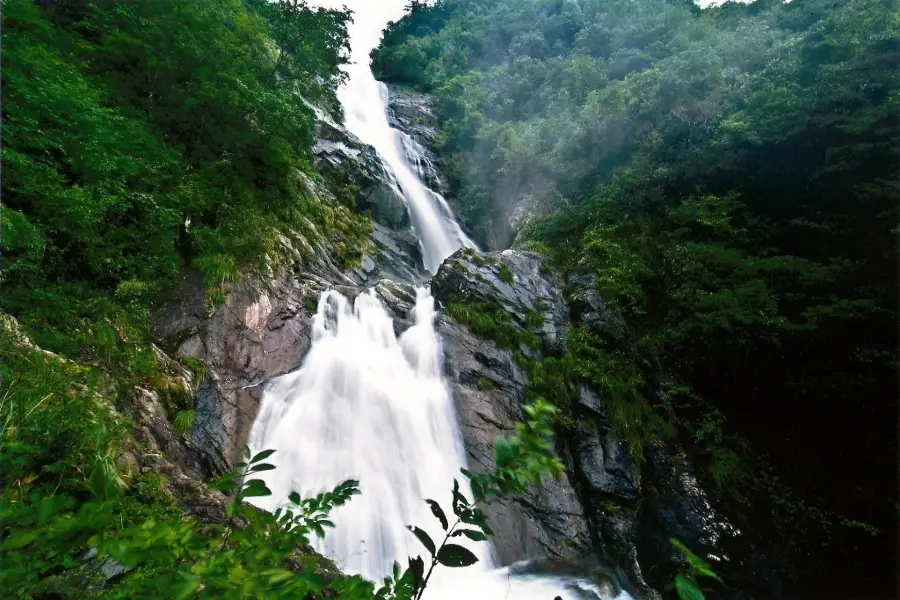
x,y
245,557
140,138
485,384
184,421
687,583
505,274
196,367
59,434
522,459
488,321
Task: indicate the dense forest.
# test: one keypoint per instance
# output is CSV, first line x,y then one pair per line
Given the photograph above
x,y
140,139
731,177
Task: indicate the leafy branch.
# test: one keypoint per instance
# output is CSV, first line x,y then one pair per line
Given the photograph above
x,y
520,461
687,583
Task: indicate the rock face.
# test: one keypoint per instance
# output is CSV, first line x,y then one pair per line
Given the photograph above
x,y
262,330
412,115
519,203
606,507
489,391
348,161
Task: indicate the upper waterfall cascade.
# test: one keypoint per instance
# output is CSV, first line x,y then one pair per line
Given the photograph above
x,y
369,405
365,103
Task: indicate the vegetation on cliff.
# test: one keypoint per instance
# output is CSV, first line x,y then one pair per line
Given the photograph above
x,y
139,139
730,176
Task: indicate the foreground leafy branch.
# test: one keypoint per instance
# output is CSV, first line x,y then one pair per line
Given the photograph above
x,y
520,461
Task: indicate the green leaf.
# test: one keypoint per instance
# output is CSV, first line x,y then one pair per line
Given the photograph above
x,y
472,534
22,539
278,575
459,501
687,589
438,512
246,451
255,488
262,467
417,568
424,538
295,498
262,456
451,555
184,421
708,572
187,588
224,485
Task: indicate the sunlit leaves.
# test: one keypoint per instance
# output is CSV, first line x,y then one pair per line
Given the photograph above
x,y
687,589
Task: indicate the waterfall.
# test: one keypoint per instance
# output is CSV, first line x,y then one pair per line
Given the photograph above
x,y
365,102
368,405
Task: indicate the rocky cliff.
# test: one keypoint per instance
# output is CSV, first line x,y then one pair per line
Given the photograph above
x,y
262,329
607,515
610,511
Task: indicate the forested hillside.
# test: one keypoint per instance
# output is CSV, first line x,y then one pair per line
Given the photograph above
x,y
140,139
731,177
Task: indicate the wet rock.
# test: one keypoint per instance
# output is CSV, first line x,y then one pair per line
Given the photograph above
x,y
397,256
606,464
489,392
412,112
261,331
108,569
412,115
511,279
158,432
400,300
608,506
345,159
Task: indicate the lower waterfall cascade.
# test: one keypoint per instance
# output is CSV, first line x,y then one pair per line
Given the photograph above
x,y
370,406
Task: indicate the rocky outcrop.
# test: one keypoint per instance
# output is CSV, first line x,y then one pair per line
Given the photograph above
x,y
607,507
355,167
262,329
489,392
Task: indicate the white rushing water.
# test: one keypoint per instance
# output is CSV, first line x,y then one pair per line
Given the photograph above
x,y
365,102
368,405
